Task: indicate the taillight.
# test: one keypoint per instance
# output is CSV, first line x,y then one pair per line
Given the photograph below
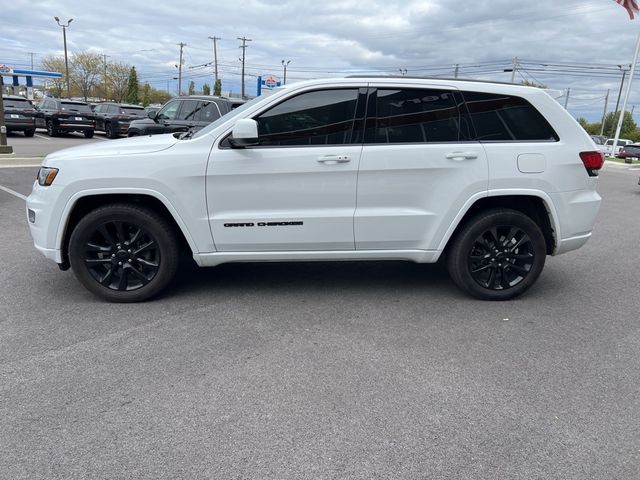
x,y
593,161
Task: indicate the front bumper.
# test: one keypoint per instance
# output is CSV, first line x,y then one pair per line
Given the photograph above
x,y
45,227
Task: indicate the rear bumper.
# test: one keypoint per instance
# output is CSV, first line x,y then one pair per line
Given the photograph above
x,y
75,127
20,125
577,212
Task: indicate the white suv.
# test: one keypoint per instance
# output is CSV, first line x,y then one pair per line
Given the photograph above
x,y
494,176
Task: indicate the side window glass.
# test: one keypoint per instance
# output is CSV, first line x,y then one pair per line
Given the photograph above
x,y
322,117
506,118
188,111
98,109
168,112
414,116
209,112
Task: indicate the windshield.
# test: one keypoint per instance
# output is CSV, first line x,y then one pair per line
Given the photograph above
x,y
75,107
233,114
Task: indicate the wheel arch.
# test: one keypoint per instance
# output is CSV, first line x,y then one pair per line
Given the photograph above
x,y
535,204
84,202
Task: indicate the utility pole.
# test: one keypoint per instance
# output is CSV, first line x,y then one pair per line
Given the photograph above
x,y
624,73
514,68
455,72
32,54
244,48
215,61
566,99
66,59
181,45
604,113
106,93
284,65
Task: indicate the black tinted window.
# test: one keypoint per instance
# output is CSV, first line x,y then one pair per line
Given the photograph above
x,y
209,112
414,116
503,117
16,103
75,107
315,118
188,110
133,111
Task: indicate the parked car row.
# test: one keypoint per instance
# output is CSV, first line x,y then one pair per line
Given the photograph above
x,y
59,116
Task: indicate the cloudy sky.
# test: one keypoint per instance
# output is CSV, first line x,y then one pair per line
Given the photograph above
x,y
583,42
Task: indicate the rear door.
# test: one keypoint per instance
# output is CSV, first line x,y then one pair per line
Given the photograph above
x,y
418,167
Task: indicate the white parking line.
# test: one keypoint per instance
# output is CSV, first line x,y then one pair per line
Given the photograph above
x,y
13,192
100,138
42,136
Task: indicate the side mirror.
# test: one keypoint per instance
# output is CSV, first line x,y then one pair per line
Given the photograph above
x,y
244,133
152,115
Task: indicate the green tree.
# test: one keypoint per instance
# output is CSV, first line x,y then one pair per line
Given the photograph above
x,y
192,88
217,88
206,89
132,87
611,122
146,94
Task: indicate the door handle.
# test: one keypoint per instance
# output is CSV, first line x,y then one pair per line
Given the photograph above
x,y
334,159
461,156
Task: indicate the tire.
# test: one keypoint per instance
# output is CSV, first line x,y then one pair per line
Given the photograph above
x,y
29,133
52,131
133,134
497,255
102,262
108,131
88,133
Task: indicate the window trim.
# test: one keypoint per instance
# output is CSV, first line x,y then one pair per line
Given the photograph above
x,y
224,142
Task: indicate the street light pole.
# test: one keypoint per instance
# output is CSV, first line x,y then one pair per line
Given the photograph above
x,y
66,59
284,66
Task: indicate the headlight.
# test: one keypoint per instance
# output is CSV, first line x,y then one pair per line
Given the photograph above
x,y
46,176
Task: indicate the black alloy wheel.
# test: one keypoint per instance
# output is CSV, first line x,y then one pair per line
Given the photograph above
x,y
108,130
123,253
501,257
52,131
497,255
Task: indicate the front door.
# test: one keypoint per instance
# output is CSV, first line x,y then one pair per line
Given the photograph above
x,y
296,189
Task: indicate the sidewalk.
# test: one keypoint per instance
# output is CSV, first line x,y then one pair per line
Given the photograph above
x,y
14,161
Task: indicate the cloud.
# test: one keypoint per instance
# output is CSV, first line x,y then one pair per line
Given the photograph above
x,y
337,37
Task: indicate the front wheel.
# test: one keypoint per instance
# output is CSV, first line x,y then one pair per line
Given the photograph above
x,y
88,133
497,255
124,253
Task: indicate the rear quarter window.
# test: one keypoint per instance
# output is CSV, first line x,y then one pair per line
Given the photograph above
x,y
500,118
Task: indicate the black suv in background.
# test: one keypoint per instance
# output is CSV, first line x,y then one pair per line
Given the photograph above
x,y
182,114
61,116
19,115
114,118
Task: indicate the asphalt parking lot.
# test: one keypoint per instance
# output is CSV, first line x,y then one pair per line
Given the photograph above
x,y
41,143
324,370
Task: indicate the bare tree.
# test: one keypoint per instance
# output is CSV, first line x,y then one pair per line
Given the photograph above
x,y
118,76
53,63
86,68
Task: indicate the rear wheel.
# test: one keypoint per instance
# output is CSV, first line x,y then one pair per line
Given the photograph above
x,y
88,133
497,255
108,130
124,253
52,131
29,133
